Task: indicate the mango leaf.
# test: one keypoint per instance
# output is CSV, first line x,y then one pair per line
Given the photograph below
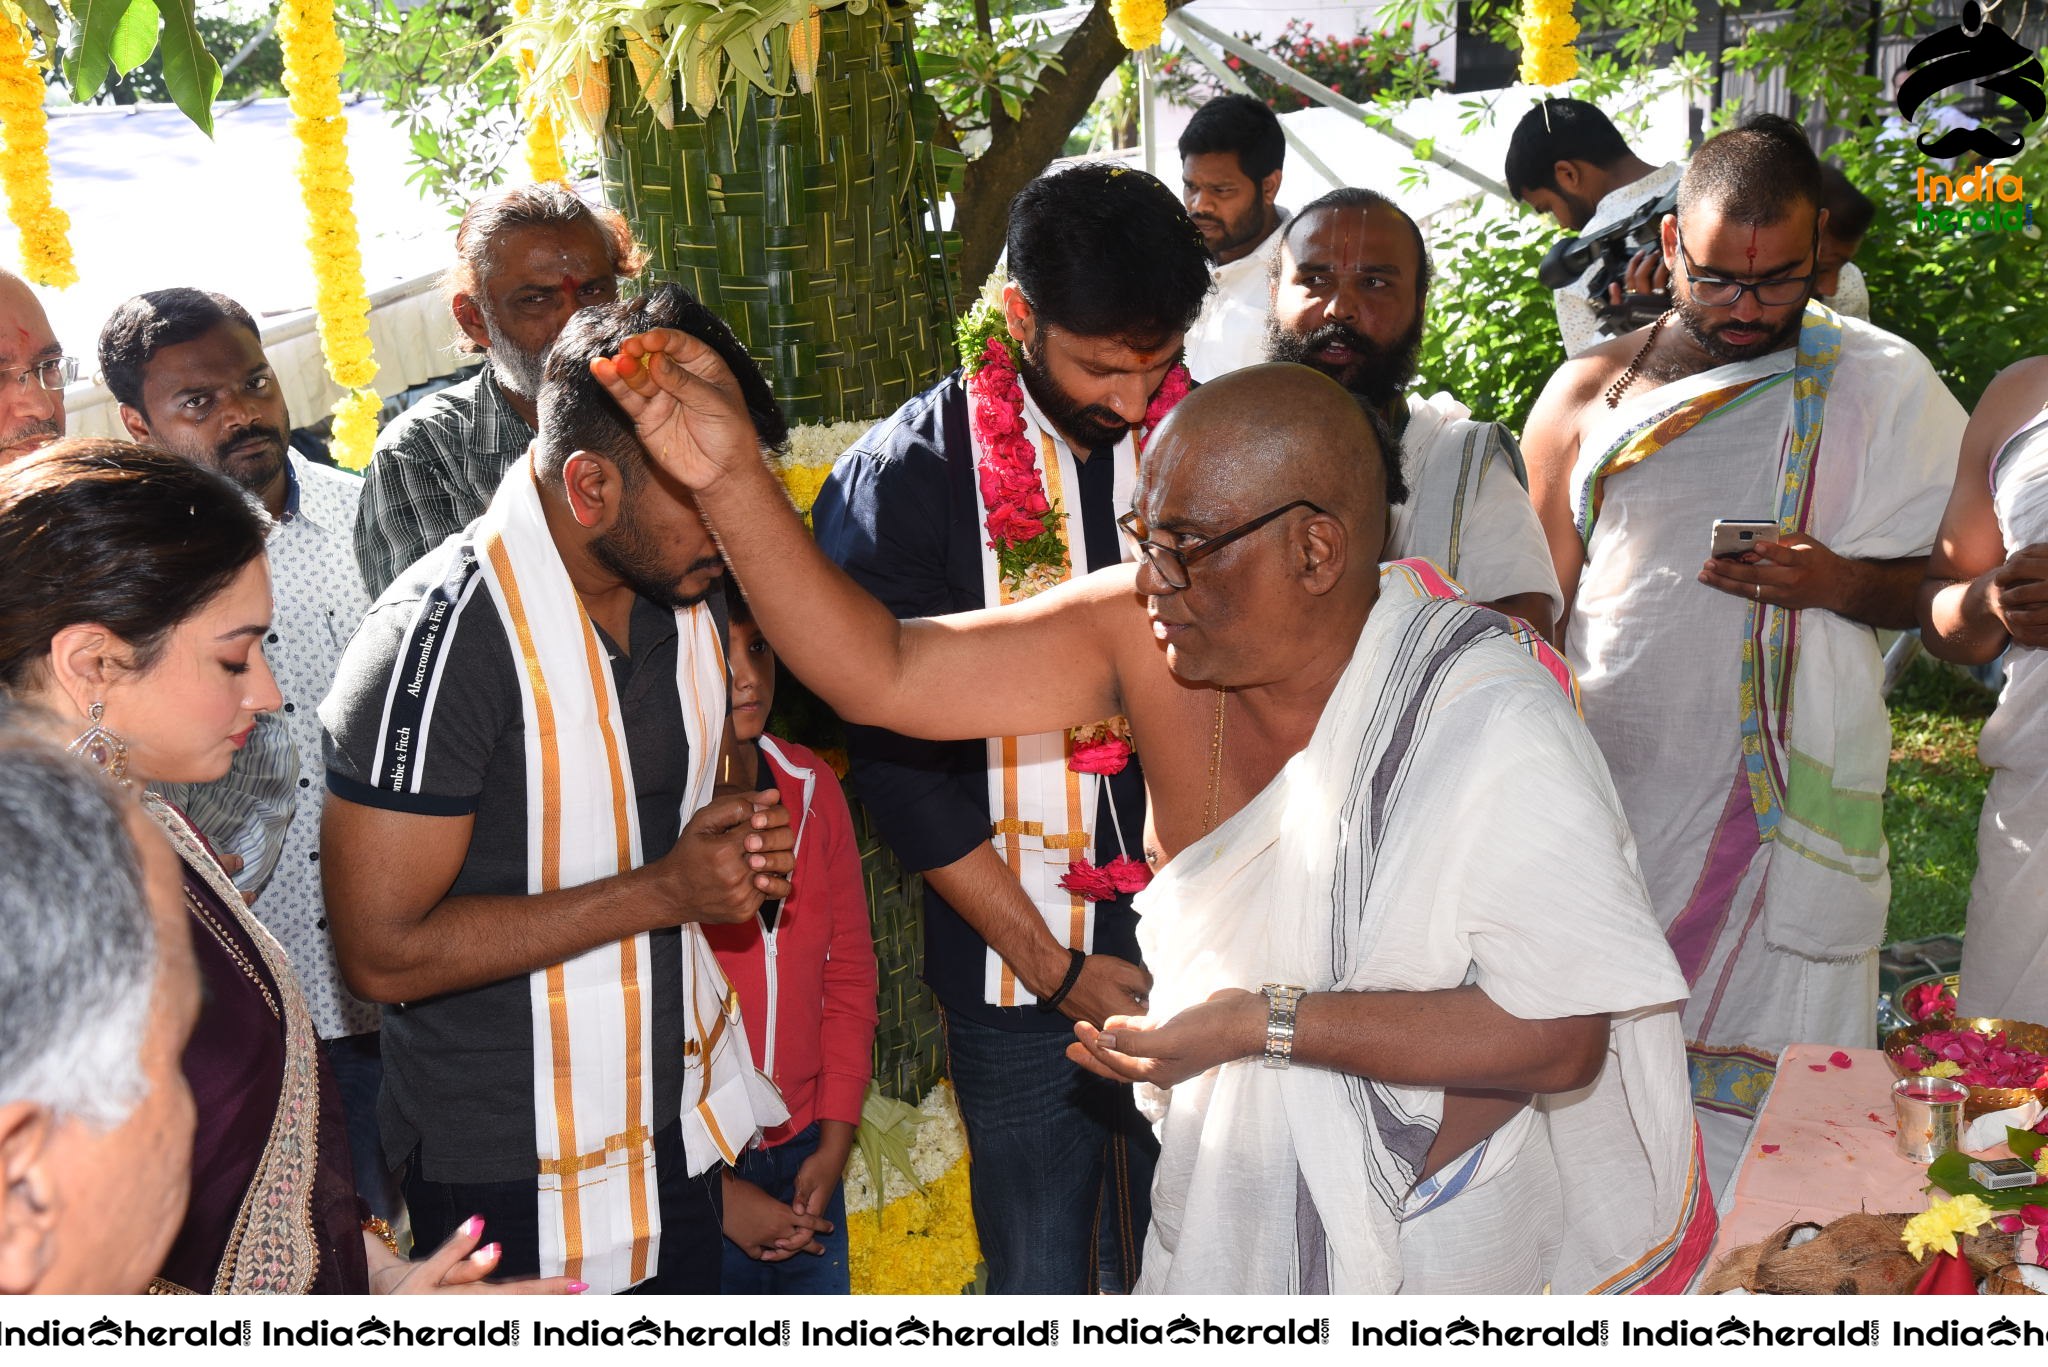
x,y
85,69
134,36
2024,1143
190,72
43,17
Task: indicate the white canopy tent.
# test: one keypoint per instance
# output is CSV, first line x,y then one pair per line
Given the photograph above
x,y
155,203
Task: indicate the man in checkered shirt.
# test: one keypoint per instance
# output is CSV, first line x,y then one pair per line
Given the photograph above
x,y
527,257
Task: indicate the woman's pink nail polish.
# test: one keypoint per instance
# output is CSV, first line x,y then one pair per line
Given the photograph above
x,y
473,1226
578,1288
487,1254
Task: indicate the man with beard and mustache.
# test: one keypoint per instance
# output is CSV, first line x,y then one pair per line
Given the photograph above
x,y
1738,702
522,840
33,372
190,374
526,258
1349,291
1231,154
1105,274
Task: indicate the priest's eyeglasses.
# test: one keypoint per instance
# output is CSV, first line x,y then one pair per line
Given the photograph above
x,y
1171,563
54,373
1717,293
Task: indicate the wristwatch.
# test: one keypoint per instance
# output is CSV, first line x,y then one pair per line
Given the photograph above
x,y
1281,1001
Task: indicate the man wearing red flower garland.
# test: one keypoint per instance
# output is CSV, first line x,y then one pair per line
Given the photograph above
x,y
1396,1043
988,488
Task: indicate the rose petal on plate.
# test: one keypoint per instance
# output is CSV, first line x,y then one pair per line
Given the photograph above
x,y
1839,1059
1768,1148
1818,1067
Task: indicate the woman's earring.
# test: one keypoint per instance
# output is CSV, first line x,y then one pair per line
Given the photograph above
x,y
102,746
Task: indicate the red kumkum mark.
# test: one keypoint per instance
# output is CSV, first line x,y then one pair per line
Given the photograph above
x,y
1768,1148
1752,252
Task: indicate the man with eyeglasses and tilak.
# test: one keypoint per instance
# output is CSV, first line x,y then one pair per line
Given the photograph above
x,y
33,372
1734,496
1395,1041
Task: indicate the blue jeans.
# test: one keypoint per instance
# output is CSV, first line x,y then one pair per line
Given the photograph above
x,y
358,1066
690,1226
1062,1163
807,1274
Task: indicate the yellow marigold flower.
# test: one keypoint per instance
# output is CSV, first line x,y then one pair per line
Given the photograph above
x,y
312,77
1945,1068
25,164
1938,1225
354,434
1548,30
1138,22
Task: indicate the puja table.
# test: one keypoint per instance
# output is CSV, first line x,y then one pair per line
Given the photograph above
x,y
1824,1145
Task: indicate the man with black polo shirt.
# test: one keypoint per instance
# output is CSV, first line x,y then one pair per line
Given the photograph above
x,y
1106,272
521,841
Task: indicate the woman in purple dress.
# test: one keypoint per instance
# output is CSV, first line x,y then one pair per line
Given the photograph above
x,y
134,601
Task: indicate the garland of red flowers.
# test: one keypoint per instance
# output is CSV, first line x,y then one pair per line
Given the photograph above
x,y
1031,556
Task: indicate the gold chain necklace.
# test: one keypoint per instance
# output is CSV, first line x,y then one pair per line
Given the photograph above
x,y
227,943
1635,367
1215,768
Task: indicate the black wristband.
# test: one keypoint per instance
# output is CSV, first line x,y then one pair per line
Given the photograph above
x,y
1052,1003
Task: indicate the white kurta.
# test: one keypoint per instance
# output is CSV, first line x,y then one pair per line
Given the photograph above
x,y
2005,953
1776,940
1414,845
1230,334
1468,509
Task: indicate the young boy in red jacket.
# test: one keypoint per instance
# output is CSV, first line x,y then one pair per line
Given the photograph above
x,y
805,971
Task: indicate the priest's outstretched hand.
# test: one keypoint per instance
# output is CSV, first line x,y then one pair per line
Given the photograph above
x,y
685,403
1230,1025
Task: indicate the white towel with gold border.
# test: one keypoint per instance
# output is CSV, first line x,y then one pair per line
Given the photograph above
x,y
593,1076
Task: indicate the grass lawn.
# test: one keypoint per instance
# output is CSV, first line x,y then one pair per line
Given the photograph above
x,y
1935,794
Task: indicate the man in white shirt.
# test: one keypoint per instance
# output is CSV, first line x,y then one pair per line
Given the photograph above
x,y
1230,161
1348,299
191,376
1568,160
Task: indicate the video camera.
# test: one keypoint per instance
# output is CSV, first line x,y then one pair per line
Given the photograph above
x,y
1612,248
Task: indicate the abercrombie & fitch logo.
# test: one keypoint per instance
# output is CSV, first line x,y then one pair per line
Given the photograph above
x,y
1979,52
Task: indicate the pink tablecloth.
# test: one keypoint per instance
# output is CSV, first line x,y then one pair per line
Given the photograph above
x,y
1824,1146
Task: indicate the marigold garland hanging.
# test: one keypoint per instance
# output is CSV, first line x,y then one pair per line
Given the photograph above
x,y
1548,31
25,163
543,146
312,77
1138,22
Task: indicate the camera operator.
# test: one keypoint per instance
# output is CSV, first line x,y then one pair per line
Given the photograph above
x,y
1568,160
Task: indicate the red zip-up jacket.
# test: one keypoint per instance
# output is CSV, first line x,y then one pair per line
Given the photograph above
x,y
807,988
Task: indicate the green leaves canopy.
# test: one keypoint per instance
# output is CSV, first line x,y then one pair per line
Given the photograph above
x,y
119,36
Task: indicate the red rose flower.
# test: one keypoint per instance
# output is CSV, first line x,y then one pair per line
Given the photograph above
x,y
1085,880
1127,874
1009,526
1106,756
